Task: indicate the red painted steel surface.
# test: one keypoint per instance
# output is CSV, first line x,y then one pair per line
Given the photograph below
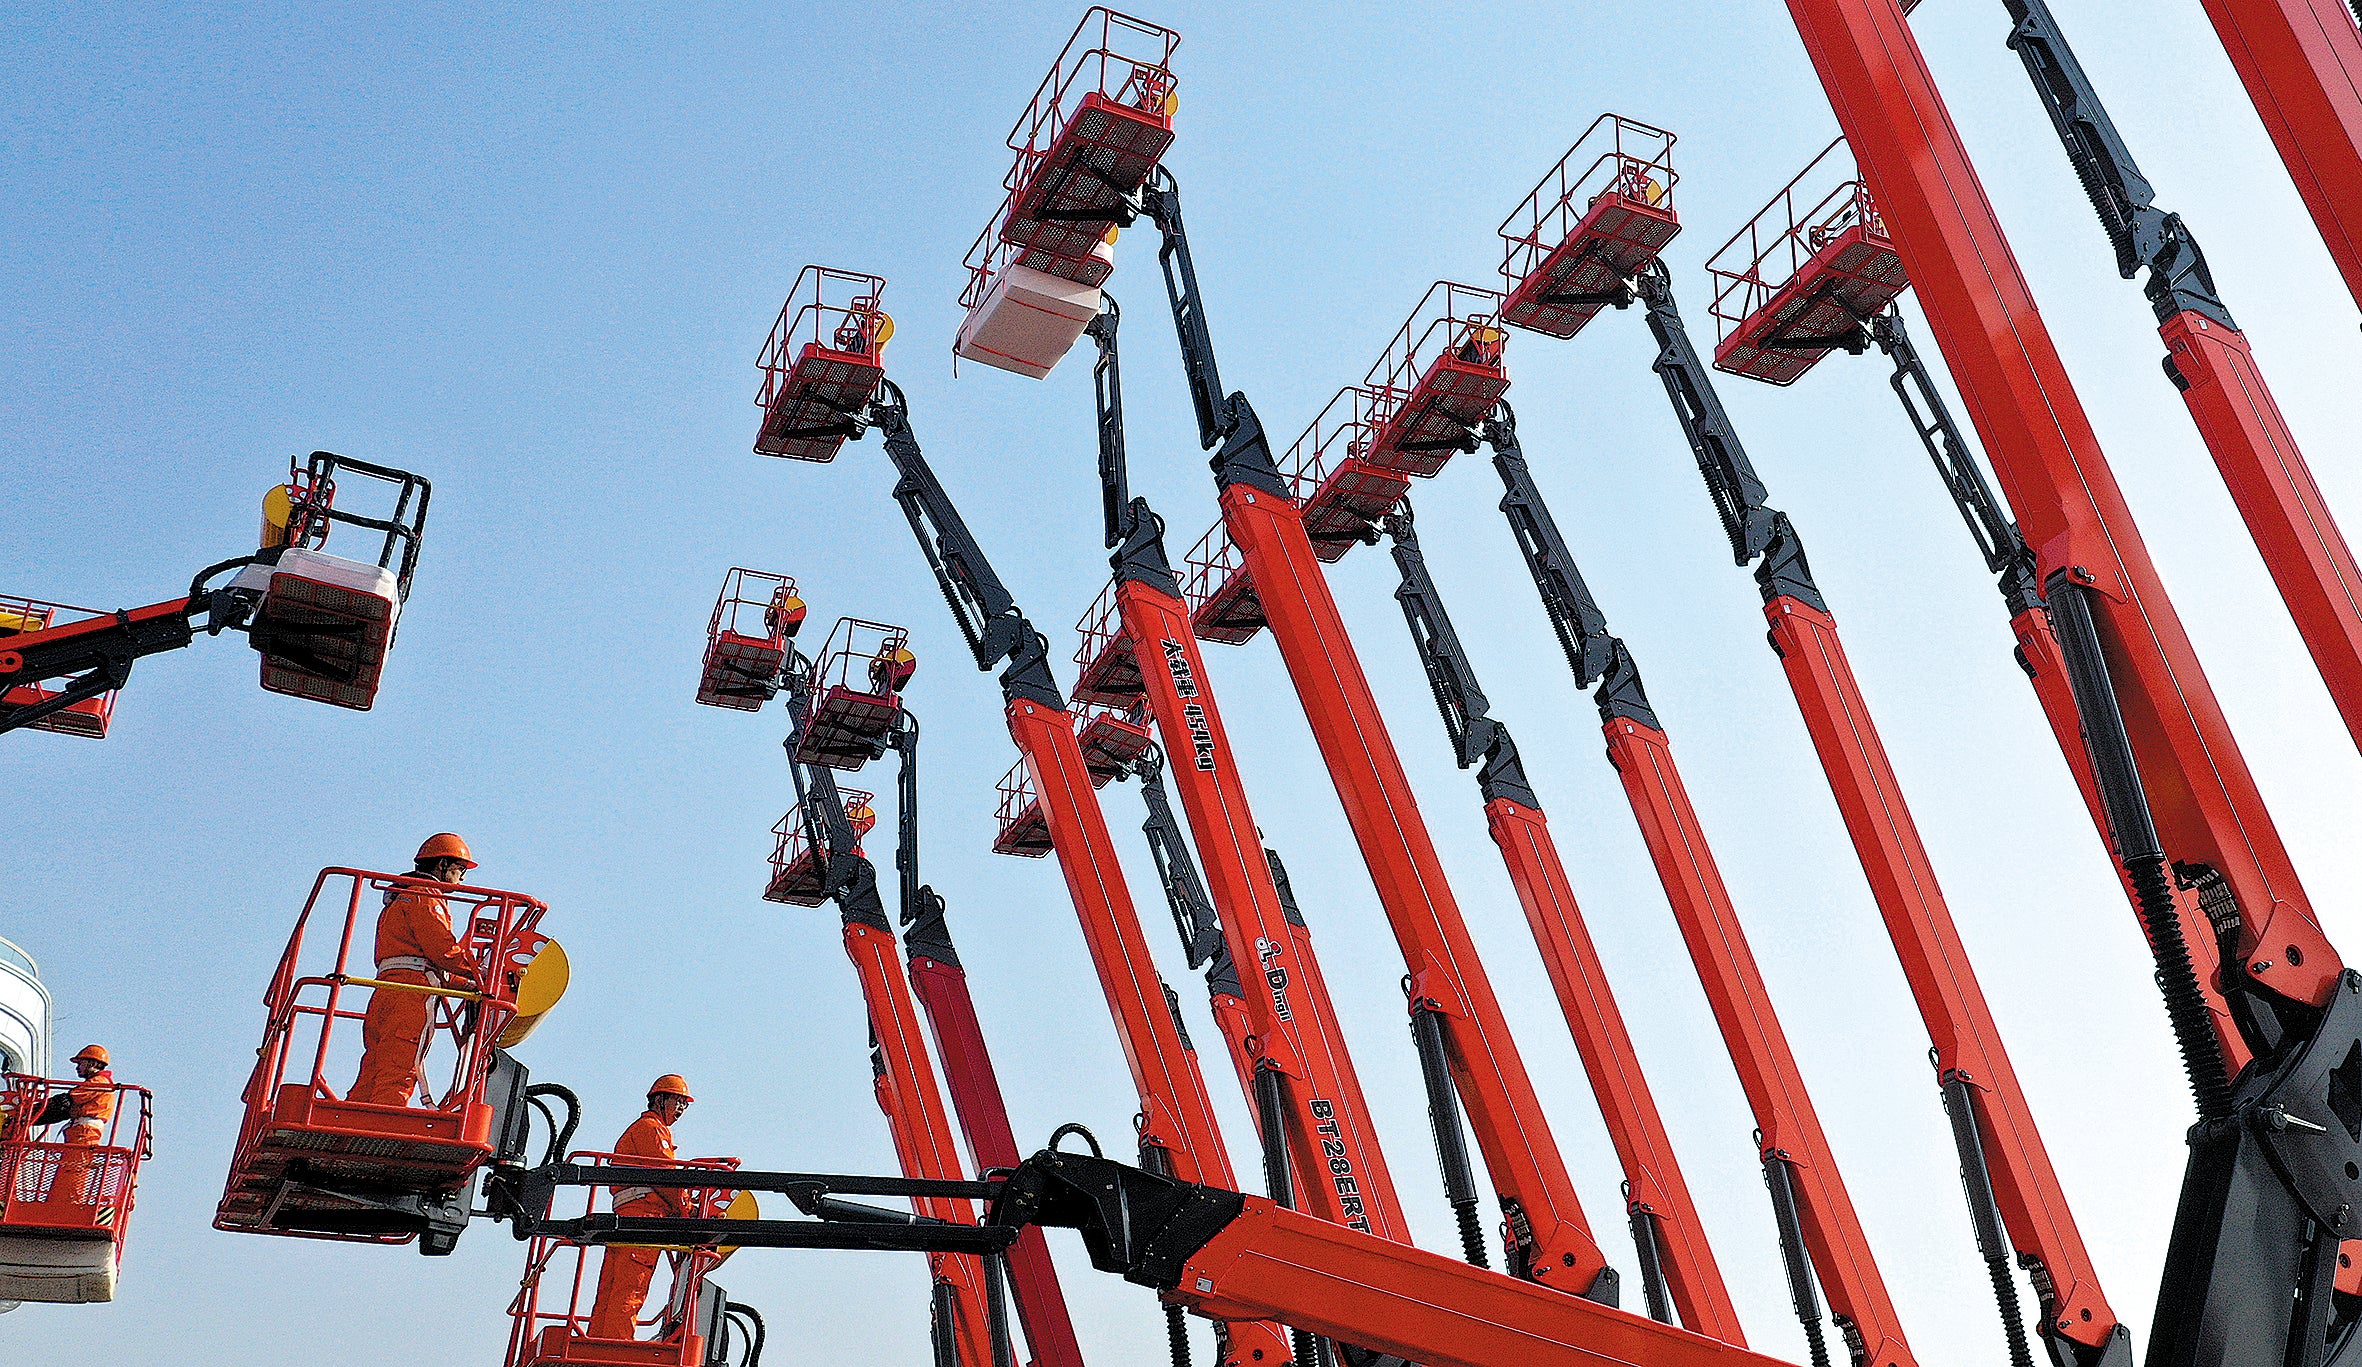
x,y
1968,1044
1787,1124
942,992
1421,1306
1176,1115
2207,807
2283,509
1511,1131
1332,1146
921,1126
2301,61
1652,1175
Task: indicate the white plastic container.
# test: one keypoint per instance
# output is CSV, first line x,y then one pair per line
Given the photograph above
x,y
1027,321
58,1271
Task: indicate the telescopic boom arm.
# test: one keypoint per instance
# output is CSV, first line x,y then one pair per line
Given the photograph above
x,y
940,983
1547,1236
2209,361
905,1076
1307,1094
2258,1231
1821,1239
1210,1250
1177,1128
1678,1272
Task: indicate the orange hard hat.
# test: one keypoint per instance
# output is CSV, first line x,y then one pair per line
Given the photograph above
x,y
96,1053
671,1084
445,845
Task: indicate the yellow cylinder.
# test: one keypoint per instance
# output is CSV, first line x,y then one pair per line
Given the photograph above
x,y
278,507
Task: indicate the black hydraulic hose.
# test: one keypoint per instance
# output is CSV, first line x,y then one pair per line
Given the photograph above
x,y
2116,773
1984,1213
942,1326
560,1135
1451,1142
733,1313
1271,1114
996,1310
1652,1266
1793,1255
1177,1334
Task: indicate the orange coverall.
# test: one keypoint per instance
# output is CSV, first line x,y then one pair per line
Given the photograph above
x,y
624,1273
89,1106
414,945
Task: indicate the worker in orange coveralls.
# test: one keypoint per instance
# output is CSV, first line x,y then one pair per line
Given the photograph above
x,y
624,1273
415,944
85,1109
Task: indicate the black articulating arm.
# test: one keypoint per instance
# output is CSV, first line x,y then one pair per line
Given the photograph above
x,y
1185,891
1226,424
847,875
924,931
996,630
1596,655
2145,236
1476,736
1134,533
1757,531
2005,551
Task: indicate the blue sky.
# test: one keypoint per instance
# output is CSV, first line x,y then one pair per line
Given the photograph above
x,y
533,253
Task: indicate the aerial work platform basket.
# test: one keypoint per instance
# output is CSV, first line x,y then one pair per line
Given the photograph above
x,y
1112,741
1022,830
856,692
746,642
1804,277
312,1162
799,876
1436,380
1093,131
1106,672
1341,493
821,364
90,716
1595,221
65,1208
325,621
1221,594
550,1320
1026,307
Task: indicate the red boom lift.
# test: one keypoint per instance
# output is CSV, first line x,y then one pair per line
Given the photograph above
x,y
1138,650
1201,1247
2252,1271
1441,364
2301,62
1821,1239
65,1209
1845,266
756,660
322,623
2207,359
1677,1268
313,1164
1177,1126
